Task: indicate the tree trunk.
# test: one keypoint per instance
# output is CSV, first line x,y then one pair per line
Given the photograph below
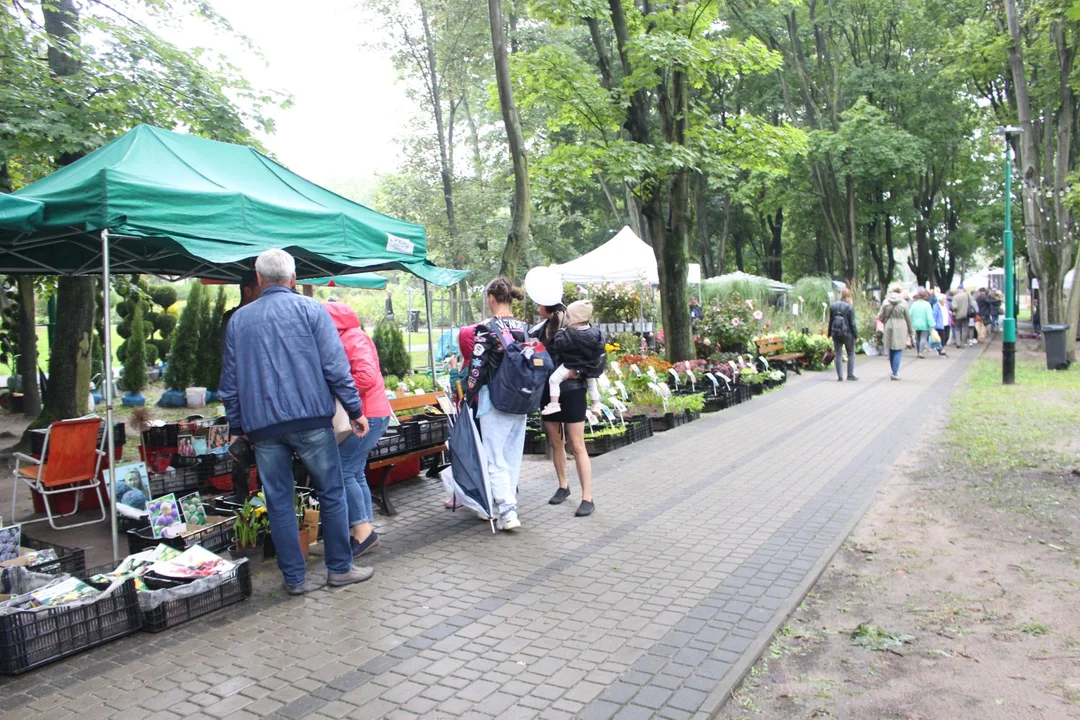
x,y
774,246
465,304
517,239
721,257
738,238
435,93
28,352
69,359
701,214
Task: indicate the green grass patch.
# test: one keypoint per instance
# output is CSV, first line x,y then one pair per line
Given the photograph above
x,y
996,430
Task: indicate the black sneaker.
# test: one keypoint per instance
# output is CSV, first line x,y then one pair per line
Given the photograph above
x,y
560,495
585,508
359,548
852,378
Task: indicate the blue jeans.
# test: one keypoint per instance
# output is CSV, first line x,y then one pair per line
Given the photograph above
x,y
504,441
354,453
317,449
894,360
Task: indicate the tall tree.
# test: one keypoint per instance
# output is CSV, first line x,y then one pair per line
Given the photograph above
x,y
517,238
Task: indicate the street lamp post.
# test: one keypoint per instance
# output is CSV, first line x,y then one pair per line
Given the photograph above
x,y
1008,343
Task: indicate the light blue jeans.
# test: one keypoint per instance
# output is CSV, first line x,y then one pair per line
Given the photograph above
x,y
317,449
504,440
894,360
354,454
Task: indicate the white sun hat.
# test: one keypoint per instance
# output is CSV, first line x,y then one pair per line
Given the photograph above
x,y
543,285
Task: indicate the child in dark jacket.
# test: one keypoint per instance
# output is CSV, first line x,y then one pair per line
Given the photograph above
x,y
580,348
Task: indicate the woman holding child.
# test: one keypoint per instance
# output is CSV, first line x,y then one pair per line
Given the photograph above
x,y
567,422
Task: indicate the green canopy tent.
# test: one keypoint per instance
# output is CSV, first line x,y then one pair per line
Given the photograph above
x,y
364,281
164,203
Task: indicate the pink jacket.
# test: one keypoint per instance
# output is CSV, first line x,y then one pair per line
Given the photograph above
x,y
363,360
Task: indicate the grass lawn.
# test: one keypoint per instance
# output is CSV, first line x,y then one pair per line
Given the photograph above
x,y
998,430
43,352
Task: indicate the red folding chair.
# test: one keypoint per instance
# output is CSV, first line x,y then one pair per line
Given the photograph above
x,y
70,462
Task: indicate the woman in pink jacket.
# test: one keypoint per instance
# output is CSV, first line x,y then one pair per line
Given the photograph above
x,y
364,361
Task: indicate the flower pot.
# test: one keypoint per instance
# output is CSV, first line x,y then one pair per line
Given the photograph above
x,y
248,552
133,400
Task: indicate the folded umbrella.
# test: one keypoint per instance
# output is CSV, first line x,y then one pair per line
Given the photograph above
x,y
467,476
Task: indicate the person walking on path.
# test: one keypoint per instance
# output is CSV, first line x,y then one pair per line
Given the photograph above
x,y
939,304
984,304
367,374
503,433
963,306
922,322
897,321
282,368
841,329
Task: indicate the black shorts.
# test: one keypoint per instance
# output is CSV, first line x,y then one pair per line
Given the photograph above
x,y
573,403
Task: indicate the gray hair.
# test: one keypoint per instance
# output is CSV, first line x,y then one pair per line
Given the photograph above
x,y
276,267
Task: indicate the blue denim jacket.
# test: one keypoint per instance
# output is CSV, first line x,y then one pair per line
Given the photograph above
x,y
283,366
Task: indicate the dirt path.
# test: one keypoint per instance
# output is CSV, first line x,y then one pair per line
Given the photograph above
x,y
963,575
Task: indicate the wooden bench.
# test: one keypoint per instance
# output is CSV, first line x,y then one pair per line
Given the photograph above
x,y
772,349
387,464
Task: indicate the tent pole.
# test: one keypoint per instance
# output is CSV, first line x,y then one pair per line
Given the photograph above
x,y
430,347
106,311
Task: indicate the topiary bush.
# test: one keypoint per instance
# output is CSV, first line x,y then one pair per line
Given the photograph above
x,y
185,343
209,370
135,354
394,357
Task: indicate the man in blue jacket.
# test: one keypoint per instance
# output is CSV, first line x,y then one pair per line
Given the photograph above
x,y
282,368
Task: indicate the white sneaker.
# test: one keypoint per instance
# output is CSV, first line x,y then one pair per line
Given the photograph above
x,y
509,521
551,408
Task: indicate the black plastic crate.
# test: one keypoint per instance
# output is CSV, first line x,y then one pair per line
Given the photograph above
x,y
68,560
31,639
638,429
236,588
669,421
211,466
424,431
214,538
181,481
605,444
391,443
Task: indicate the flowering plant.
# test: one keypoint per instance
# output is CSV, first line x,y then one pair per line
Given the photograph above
x,y
727,325
251,519
618,302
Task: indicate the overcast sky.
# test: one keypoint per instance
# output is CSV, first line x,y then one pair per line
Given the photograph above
x,y
348,109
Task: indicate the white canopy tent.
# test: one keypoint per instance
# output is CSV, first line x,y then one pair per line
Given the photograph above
x,y
623,258
774,285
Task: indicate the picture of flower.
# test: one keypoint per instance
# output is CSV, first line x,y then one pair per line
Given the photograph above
x,y
164,513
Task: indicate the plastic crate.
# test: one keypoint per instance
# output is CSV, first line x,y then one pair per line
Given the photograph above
x,y
424,431
211,466
31,639
391,443
605,444
71,561
638,429
236,588
215,538
670,421
179,480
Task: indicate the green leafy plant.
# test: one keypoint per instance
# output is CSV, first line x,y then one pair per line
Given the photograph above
x,y
135,354
251,520
872,637
209,371
185,343
728,325
394,358
610,431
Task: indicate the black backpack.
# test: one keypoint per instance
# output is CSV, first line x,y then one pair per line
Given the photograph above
x,y
838,328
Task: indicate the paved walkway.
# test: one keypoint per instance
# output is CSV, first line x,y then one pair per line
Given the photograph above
x,y
704,539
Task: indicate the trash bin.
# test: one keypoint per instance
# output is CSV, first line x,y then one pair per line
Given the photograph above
x,y
413,324
1054,338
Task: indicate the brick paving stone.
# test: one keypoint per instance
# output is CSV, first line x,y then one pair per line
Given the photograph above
x,y
629,612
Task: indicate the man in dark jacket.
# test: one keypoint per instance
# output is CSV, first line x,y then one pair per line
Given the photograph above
x,y
283,367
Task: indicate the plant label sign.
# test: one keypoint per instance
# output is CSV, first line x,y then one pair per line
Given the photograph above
x,y
616,369
622,389
764,361
634,369
608,414
693,380
675,374
651,372
712,378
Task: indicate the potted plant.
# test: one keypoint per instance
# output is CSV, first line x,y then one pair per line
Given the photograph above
x,y
248,528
